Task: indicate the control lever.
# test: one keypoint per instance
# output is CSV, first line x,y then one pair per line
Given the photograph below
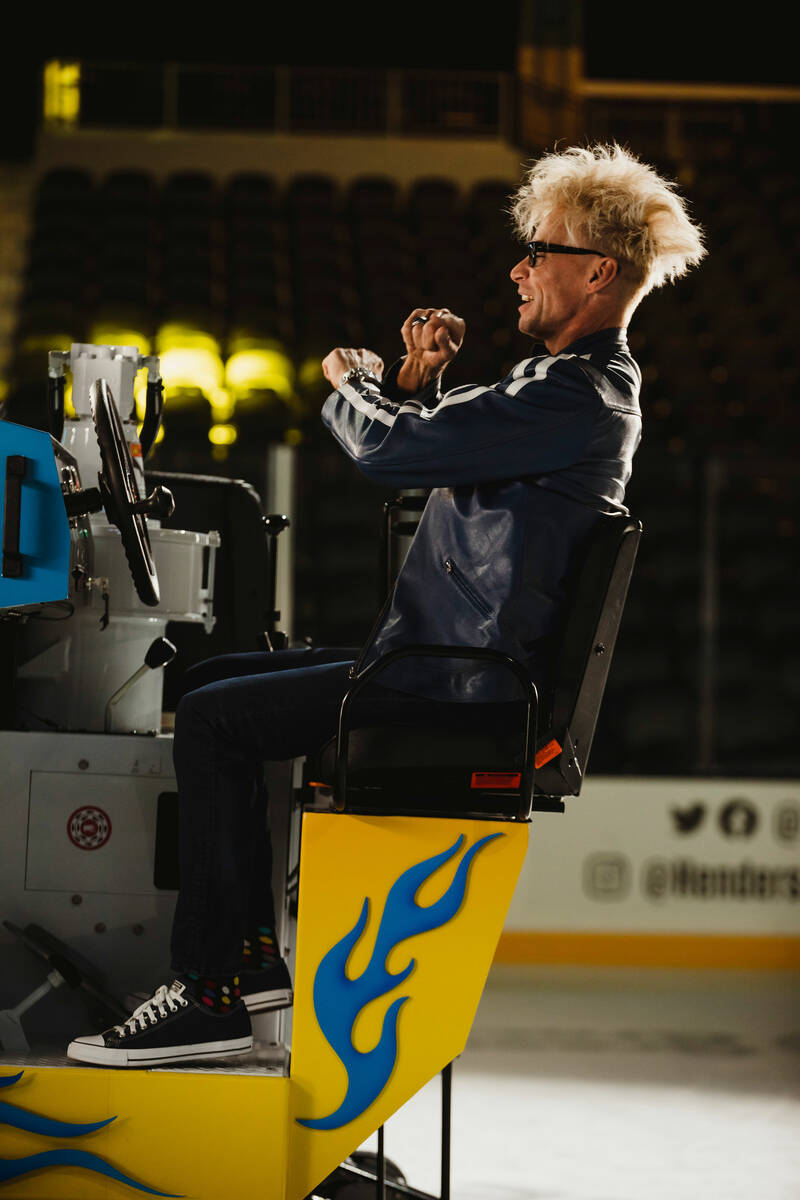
x,y
12,1035
78,504
154,405
271,638
65,966
56,362
160,504
159,653
55,405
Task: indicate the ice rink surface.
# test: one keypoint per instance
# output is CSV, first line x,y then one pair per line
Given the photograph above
x,y
619,1084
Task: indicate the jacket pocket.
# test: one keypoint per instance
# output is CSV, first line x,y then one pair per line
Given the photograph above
x,y
466,588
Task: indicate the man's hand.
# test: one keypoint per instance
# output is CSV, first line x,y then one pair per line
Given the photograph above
x,y
433,337
340,361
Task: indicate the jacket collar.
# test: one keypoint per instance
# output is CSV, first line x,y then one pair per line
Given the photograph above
x,y
603,337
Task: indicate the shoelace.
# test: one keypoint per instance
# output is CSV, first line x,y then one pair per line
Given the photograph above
x,y
145,1013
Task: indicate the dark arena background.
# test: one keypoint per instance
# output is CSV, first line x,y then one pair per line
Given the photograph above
x,y
241,204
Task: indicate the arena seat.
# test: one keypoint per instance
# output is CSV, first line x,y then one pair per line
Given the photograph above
x,y
658,729
486,199
433,199
312,195
752,733
63,191
250,195
129,185
188,191
372,195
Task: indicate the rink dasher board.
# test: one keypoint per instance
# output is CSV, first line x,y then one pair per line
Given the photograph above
x,y
665,855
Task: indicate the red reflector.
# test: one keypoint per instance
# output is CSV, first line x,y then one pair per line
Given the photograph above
x,y
547,752
495,779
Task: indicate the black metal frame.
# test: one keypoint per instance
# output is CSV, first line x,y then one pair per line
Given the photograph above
x,y
480,654
393,1189
274,525
391,508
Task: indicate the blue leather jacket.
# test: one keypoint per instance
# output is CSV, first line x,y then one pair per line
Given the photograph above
x,y
519,472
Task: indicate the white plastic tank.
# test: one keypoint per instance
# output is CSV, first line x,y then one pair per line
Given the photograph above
x,y
71,666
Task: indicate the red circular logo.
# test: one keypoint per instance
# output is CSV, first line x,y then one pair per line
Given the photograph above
x,y
89,828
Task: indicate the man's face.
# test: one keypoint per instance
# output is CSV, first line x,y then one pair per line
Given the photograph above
x,y
555,287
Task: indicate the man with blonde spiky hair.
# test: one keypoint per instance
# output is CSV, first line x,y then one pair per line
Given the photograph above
x,y
519,471
634,221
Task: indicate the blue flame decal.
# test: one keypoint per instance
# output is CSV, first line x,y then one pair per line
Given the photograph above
x,y
34,1123
15,1168
339,1000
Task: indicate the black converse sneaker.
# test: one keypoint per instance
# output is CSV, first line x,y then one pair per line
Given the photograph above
x,y
170,1027
268,989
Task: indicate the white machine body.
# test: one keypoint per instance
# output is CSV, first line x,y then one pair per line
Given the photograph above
x,y
70,668
88,851
89,819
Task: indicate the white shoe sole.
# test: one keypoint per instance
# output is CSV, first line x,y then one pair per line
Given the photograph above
x,y
258,1002
101,1056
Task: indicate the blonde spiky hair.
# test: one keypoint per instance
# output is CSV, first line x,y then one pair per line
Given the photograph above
x,y
611,201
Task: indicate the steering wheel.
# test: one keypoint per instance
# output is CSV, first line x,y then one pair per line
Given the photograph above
x,y
122,500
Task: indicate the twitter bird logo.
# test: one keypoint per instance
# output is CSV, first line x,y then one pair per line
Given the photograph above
x,y
688,820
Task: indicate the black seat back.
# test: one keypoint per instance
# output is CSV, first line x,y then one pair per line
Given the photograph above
x,y
587,647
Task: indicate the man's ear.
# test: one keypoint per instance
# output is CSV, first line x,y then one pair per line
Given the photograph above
x,y
604,273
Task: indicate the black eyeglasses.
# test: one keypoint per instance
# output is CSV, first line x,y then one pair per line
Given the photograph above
x,y
537,248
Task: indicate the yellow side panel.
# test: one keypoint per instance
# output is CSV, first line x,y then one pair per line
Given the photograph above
x,y
181,1133
399,920
380,895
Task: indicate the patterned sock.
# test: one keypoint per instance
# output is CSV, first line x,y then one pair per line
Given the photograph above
x,y
218,994
260,951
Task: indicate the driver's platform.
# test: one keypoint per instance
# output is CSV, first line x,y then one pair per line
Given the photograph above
x,y
262,1060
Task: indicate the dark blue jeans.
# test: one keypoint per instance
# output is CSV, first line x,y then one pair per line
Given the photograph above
x,y
238,711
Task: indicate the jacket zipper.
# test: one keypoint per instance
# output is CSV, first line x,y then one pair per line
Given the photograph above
x,y
463,584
